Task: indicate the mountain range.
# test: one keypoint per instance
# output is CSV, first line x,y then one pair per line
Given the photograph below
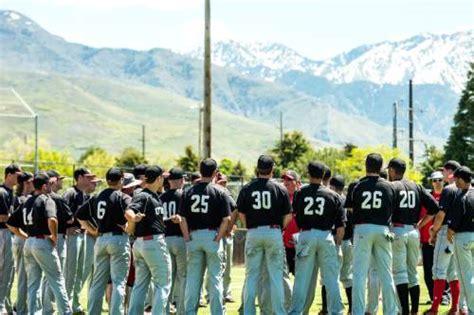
x,y
346,99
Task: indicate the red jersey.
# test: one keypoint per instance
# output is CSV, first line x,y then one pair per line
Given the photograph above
x,y
291,229
425,231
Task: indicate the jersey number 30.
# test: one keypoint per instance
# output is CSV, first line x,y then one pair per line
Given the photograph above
x,y
262,199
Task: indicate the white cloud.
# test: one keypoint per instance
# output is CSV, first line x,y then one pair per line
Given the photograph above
x,y
166,5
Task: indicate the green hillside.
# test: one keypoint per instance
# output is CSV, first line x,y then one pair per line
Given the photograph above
x,y
76,112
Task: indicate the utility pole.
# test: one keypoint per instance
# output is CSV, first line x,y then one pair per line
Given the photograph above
x,y
143,141
207,81
395,108
200,108
281,133
36,144
411,139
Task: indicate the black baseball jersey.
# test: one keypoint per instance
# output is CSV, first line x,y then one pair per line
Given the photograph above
x,y
204,206
16,218
318,207
349,229
372,200
148,203
74,199
36,212
410,198
264,202
6,203
106,210
171,202
462,218
19,201
63,212
448,195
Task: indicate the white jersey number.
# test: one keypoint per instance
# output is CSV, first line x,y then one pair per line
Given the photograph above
x,y
262,199
372,200
27,217
169,209
101,209
200,203
408,199
320,202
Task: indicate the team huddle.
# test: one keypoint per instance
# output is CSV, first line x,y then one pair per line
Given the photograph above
x,y
147,242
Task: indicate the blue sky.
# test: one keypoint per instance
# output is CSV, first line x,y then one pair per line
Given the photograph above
x,y
316,28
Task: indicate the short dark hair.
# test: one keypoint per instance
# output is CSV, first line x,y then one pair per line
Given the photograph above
x,y
12,169
327,172
207,167
152,173
40,179
316,169
373,163
139,170
81,171
398,165
452,165
266,172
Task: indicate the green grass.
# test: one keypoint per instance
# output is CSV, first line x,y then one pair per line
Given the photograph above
x,y
238,274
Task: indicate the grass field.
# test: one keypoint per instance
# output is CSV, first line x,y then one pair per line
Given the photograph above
x,y
238,274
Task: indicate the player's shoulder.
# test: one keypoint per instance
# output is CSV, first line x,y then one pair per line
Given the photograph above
x,y
250,185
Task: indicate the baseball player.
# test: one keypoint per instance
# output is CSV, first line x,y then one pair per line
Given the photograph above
x,y
139,174
372,201
64,216
112,248
76,264
40,254
444,264
318,210
337,184
206,214
174,238
6,258
23,192
264,208
151,257
461,228
406,245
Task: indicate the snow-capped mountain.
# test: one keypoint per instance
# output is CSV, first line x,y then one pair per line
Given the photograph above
x,y
426,58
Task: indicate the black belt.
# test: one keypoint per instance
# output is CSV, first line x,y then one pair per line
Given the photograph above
x,y
112,233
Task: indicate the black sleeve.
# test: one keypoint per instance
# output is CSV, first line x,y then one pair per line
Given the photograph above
x,y
286,202
4,208
83,213
125,201
446,199
340,214
456,216
299,217
16,219
138,203
241,202
226,204
50,208
428,201
349,203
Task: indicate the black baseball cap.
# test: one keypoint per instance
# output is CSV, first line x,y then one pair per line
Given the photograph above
x,y
207,167
139,170
265,162
176,173
114,174
24,177
54,173
82,171
13,169
398,165
152,173
316,169
40,179
464,173
373,162
337,181
452,165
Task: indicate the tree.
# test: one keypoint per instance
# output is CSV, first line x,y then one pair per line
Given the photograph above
x,y
60,161
353,167
130,157
189,161
433,160
289,151
460,145
226,166
97,160
239,169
